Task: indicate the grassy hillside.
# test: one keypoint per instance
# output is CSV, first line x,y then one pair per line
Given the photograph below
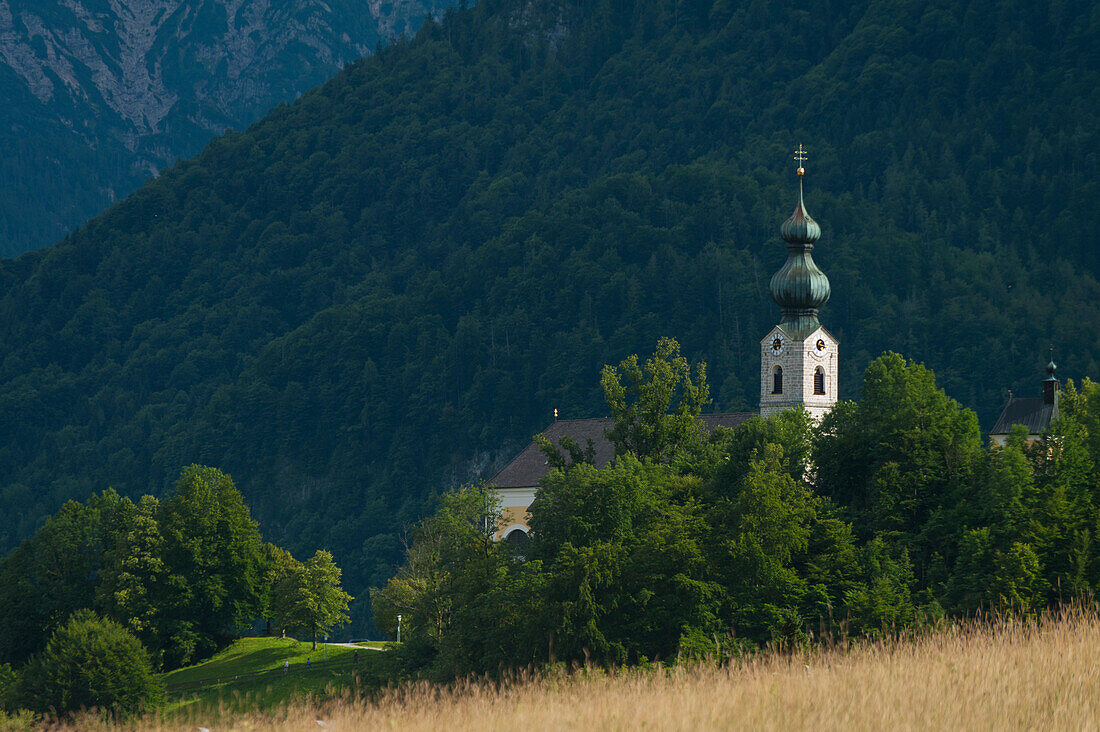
x,y
256,655
386,287
332,668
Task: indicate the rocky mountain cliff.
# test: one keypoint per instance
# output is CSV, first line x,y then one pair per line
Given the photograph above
x,y
100,94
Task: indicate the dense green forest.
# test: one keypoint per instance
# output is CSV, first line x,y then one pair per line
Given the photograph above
x,y
691,545
382,290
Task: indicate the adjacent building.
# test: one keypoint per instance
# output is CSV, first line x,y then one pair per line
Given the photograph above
x,y
1035,413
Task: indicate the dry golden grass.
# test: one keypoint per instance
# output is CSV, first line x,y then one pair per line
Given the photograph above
x,y
1005,675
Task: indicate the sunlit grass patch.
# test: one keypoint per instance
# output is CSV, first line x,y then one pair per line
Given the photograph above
x,y
252,655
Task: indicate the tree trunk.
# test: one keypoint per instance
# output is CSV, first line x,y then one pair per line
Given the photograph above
x,y
315,640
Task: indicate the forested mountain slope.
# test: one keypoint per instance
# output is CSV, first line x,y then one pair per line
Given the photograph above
x,y
98,96
383,288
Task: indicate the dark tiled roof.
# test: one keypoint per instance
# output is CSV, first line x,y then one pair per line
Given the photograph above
x,y
1031,412
529,466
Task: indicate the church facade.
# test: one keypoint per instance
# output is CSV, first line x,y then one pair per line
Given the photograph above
x,y
798,367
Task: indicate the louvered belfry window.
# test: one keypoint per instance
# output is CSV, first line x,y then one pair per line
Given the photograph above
x,y
819,381
777,380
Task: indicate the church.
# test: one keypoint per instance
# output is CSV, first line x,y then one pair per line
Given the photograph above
x,y
798,367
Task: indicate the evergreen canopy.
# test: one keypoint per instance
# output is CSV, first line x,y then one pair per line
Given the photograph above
x,y
385,287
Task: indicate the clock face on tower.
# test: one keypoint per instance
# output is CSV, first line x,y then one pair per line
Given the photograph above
x,y
777,345
820,344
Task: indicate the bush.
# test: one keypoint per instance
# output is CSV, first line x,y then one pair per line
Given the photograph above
x,y
91,663
8,679
21,721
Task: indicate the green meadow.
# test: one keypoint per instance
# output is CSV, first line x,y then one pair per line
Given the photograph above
x,y
332,670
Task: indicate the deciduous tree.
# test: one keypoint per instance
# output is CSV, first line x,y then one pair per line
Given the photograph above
x,y
214,557
309,597
655,405
900,459
131,586
443,549
54,574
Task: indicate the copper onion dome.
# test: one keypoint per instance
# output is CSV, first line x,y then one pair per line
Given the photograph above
x,y
800,287
800,228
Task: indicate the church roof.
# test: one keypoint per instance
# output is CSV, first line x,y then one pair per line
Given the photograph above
x,y
1032,412
527,468
800,332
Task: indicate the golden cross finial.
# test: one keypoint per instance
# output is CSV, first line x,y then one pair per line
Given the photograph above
x,y
800,157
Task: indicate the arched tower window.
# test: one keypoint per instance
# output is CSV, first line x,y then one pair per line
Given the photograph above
x,y
819,381
777,380
517,537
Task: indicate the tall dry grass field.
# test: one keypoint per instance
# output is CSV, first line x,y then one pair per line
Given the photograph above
x,y
1006,675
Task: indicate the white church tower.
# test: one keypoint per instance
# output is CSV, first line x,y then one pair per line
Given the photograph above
x,y
798,357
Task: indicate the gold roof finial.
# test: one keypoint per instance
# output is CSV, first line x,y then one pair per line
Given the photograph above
x,y
555,414
800,157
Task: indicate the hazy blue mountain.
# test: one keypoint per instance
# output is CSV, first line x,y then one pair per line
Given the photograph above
x,y
97,95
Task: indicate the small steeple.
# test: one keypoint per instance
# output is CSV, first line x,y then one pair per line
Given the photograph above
x,y
1051,385
800,288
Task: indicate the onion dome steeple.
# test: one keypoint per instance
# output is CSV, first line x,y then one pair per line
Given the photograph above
x,y
1051,387
800,288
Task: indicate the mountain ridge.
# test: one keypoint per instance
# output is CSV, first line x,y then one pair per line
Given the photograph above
x,y
115,92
